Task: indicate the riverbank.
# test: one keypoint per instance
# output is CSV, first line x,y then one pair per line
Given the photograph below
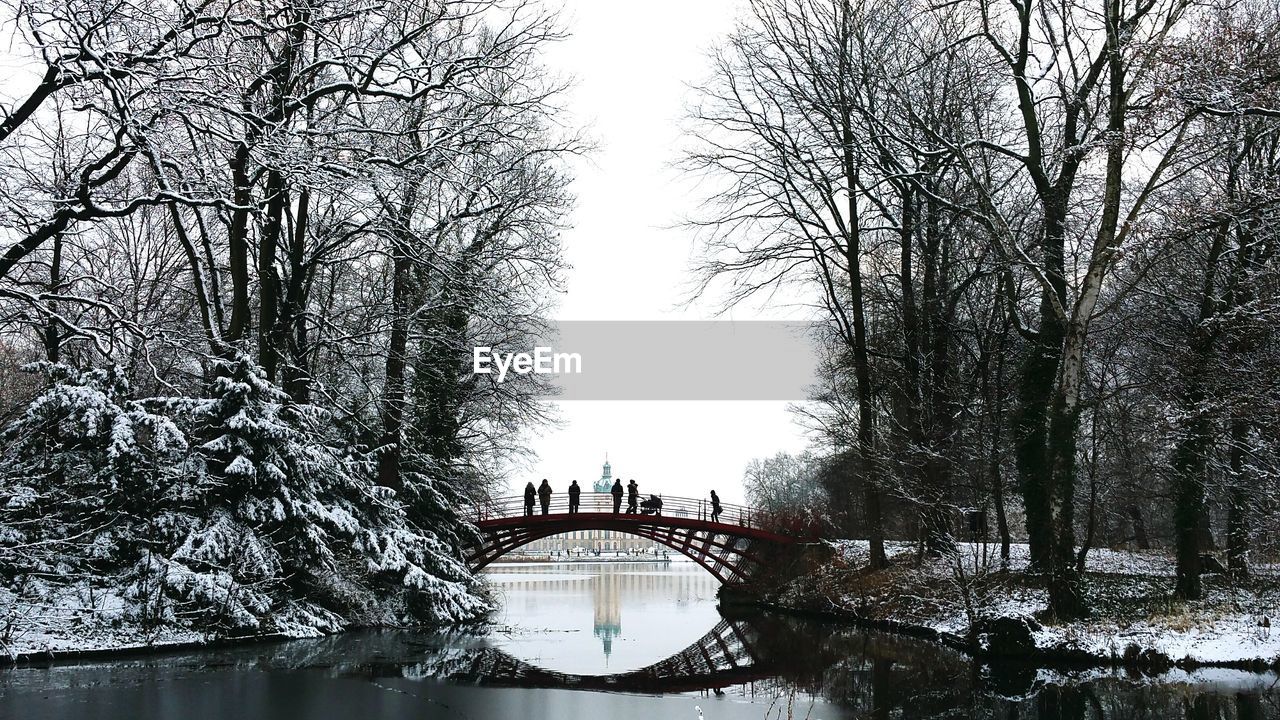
x,y
82,622
973,604
75,626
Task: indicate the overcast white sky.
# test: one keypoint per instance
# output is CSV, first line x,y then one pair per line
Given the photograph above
x,y
632,63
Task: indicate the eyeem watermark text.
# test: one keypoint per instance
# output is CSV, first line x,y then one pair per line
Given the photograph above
x,y
542,361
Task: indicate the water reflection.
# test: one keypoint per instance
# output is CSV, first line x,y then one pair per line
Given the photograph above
x,y
734,666
724,657
638,613
606,609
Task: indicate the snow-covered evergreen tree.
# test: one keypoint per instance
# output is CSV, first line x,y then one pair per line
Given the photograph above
x,y
234,512
292,530
84,465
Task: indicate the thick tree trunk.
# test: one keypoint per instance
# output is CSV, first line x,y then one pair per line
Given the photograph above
x,y
1238,508
1066,592
393,392
1189,467
238,244
1205,527
1066,595
1036,386
273,326
1039,370
1190,453
292,326
269,276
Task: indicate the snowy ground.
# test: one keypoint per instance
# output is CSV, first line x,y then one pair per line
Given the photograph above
x,y
1130,592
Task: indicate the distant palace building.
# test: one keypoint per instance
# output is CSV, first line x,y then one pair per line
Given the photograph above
x,y
605,483
592,541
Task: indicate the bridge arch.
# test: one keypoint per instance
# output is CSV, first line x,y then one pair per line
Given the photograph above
x,y
731,547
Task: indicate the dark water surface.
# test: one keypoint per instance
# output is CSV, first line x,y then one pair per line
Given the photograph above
x,y
606,641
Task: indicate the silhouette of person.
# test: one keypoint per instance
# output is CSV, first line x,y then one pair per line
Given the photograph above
x,y
715,507
616,491
529,494
544,495
633,496
575,494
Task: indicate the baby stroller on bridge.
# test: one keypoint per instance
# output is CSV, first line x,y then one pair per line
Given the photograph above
x,y
652,506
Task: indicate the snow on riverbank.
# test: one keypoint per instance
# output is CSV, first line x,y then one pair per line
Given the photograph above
x,y
71,622
76,620
1134,617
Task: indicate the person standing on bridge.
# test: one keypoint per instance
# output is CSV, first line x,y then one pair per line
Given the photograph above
x,y
529,494
544,495
633,497
715,507
616,491
575,495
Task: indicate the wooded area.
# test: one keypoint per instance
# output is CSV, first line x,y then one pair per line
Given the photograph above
x,y
1044,236
248,247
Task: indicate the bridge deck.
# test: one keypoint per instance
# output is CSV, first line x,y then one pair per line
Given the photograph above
x,y
673,509
565,521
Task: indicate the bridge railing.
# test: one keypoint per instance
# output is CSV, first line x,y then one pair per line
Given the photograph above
x,y
593,502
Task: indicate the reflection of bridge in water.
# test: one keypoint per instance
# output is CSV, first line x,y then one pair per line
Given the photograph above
x,y
732,653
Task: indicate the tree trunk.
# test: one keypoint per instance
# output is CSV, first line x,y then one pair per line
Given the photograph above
x,y
861,359
1238,504
1205,527
1037,385
1139,528
238,244
1189,467
1091,517
938,417
53,328
292,326
993,398
272,324
269,276
393,392
1190,453
1066,595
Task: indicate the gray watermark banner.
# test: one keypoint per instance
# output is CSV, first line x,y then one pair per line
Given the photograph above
x,y
664,360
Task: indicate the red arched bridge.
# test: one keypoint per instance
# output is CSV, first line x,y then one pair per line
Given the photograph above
x,y
733,547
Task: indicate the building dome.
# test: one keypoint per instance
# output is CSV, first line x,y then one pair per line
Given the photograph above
x,y
606,478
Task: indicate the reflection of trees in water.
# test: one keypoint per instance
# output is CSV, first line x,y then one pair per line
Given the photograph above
x,y
875,675
871,675
1118,698
881,676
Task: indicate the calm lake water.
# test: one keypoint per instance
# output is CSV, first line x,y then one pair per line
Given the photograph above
x,y
613,641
